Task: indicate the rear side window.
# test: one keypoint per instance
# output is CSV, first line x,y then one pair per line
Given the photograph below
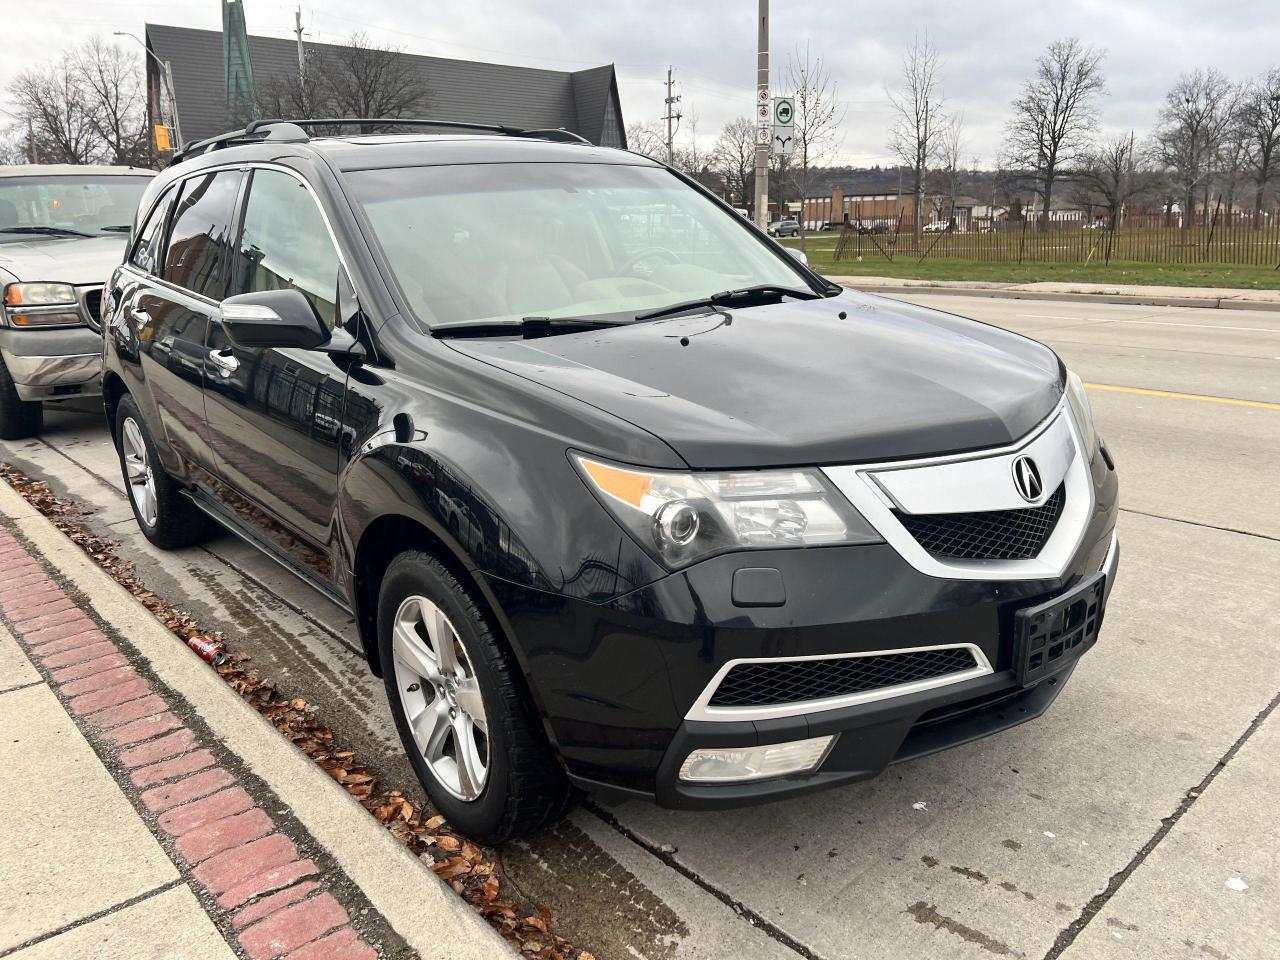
x,y
146,252
200,238
284,243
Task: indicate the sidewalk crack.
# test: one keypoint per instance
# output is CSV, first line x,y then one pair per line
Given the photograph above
x,y
1069,933
115,908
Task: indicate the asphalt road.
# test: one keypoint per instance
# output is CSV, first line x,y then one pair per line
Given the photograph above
x,y
1135,819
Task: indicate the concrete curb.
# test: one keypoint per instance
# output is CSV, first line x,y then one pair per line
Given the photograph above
x,y
1007,293
418,905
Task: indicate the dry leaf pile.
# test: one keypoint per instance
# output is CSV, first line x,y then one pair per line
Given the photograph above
x,y
472,871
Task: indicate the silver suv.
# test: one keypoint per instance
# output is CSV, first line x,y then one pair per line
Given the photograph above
x,y
62,231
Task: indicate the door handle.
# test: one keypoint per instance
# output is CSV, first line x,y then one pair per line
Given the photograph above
x,y
224,360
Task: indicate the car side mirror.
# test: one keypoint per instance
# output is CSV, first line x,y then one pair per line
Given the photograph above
x,y
798,254
273,318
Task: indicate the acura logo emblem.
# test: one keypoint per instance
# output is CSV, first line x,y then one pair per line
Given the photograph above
x,y
1026,479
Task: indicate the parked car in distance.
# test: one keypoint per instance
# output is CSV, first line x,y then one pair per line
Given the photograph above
x,y
877,229
1094,225
936,226
660,514
784,228
63,229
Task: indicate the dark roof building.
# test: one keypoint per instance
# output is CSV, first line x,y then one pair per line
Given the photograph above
x,y
583,101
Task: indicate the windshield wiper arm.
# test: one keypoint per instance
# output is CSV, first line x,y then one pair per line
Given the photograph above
x,y
746,297
528,326
46,231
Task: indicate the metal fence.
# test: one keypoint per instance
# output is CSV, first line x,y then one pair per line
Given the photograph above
x,y
1237,238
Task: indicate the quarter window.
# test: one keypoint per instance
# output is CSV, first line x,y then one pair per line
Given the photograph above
x,y
285,244
146,252
200,240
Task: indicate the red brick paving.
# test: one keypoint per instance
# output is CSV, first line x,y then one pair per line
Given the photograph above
x,y
143,729
224,803
278,902
184,791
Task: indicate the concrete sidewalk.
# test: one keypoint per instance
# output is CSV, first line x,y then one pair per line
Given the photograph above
x,y
1212,297
152,815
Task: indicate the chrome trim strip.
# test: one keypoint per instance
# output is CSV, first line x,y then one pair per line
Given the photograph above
x,y
702,710
860,484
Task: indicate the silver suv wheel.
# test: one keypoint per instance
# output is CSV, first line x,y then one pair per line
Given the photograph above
x,y
441,697
142,480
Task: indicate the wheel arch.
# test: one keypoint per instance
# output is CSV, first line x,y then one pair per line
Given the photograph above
x,y
113,389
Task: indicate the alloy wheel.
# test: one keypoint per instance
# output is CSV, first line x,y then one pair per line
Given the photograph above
x,y
142,479
441,697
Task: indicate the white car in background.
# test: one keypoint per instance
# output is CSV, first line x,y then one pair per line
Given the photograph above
x,y
63,230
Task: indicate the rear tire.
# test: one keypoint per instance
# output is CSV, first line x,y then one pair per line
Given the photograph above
x,y
491,773
165,516
19,419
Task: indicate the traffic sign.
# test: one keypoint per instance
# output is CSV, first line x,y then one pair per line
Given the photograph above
x,y
783,143
784,111
762,95
764,135
764,115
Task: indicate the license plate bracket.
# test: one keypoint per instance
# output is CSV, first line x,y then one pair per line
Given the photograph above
x,y
1052,634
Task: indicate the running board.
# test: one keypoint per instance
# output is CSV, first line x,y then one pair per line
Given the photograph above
x,y
233,523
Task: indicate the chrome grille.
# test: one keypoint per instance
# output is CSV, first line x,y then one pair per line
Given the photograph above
x,y
90,300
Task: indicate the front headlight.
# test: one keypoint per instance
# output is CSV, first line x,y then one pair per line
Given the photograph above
x,y
1083,413
41,305
683,517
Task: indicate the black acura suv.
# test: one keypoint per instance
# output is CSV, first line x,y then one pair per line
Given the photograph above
x,y
623,497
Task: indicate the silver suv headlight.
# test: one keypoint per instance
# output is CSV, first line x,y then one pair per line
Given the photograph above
x,y
41,305
683,517
1083,413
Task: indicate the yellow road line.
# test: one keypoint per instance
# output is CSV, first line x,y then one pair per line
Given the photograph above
x,y
1230,401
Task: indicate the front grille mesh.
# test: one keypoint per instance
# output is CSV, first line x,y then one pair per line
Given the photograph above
x,y
990,535
792,681
91,307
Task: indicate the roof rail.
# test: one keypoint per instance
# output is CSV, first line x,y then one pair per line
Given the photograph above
x,y
295,131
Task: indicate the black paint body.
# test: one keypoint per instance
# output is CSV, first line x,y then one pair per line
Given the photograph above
x,y
462,446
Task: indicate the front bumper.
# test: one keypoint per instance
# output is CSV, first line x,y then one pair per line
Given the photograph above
x,y
618,683
53,364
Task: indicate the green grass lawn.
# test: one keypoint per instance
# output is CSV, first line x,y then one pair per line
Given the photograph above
x,y
822,249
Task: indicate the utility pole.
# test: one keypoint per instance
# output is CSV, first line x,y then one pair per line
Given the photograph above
x,y
762,149
302,56
671,115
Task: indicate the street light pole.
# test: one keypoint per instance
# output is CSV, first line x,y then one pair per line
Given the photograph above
x,y
762,149
168,83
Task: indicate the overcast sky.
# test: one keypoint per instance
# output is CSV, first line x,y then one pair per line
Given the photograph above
x,y
987,48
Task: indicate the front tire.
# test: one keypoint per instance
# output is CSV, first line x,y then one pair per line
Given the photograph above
x,y
461,708
19,419
165,516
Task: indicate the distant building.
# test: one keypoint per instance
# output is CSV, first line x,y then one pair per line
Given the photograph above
x,y
583,101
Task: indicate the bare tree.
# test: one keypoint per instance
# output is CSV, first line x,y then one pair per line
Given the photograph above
x,y
1259,120
13,146
734,158
1055,116
89,106
918,106
362,79
1111,175
50,102
1195,118
647,139
818,117
114,100
950,169
297,94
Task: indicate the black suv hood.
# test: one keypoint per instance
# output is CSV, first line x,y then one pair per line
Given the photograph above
x,y
792,383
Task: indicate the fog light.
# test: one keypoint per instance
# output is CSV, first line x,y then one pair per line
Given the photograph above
x,y
754,763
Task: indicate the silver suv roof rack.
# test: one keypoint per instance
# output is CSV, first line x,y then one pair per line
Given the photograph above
x,y
295,131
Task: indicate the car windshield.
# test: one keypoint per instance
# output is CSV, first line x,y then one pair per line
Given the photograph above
x,y
37,207
496,243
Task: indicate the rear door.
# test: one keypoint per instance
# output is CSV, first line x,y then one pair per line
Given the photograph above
x,y
275,416
173,310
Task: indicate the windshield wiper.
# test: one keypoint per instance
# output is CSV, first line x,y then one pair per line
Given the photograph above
x,y
115,228
46,231
746,297
528,326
